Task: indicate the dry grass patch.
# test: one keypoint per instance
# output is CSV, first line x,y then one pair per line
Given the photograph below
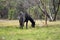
x,y
16,23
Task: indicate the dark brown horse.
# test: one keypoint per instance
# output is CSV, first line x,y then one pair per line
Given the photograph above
x,y
25,17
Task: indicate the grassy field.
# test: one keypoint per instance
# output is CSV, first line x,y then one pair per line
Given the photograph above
x,y
9,30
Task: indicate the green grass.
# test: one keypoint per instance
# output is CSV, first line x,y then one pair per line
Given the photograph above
x,y
9,30
38,33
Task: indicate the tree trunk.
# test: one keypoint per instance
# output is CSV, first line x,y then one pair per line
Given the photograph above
x,y
44,10
45,20
55,16
55,10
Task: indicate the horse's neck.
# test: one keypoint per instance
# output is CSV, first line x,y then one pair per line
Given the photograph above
x,y
31,20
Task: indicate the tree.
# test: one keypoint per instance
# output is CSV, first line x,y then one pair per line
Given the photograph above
x,y
54,8
3,9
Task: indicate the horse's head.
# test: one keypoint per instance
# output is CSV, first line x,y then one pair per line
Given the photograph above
x,y
33,24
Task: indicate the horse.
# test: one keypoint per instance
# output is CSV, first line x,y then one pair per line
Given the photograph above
x,y
25,17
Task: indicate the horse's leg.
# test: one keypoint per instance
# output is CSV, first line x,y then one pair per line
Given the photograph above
x,y
21,26
26,25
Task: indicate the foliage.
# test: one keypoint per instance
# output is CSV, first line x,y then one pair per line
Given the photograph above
x,y
29,5
11,14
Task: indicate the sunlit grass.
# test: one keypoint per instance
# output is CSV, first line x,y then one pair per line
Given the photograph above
x,y
16,23
41,33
